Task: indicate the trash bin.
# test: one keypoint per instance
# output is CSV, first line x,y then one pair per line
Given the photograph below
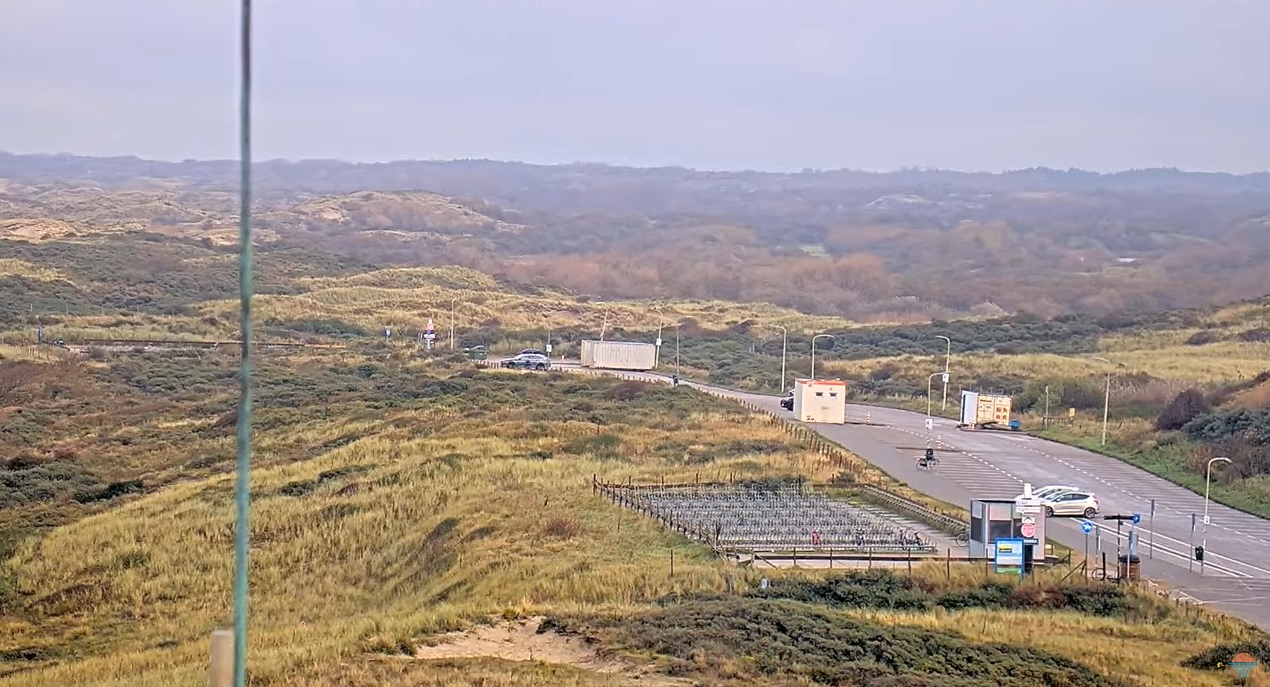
x,y
1130,567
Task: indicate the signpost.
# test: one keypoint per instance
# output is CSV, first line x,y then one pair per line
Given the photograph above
x,y
1008,554
1086,527
429,334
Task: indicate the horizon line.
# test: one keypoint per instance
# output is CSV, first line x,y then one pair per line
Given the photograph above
x,y
582,163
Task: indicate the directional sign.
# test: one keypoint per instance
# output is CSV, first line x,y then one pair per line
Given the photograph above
x,y
1086,526
1137,518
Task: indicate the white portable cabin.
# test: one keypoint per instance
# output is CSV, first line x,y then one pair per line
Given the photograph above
x,y
820,400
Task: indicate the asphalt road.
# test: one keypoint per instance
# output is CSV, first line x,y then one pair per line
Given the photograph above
x,y
988,464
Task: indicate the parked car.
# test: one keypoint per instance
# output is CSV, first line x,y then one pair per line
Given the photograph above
x,y
527,361
1070,503
788,402
1052,490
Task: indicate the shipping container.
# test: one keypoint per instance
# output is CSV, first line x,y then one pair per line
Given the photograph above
x,y
820,400
619,355
985,410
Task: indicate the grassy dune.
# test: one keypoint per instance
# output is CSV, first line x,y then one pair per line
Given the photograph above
x,y
392,499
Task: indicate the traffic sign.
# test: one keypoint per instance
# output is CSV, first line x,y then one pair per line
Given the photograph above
x,y
930,424
1137,518
1086,526
1028,530
945,378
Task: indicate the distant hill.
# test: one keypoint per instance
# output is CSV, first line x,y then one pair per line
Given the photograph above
x,y
906,245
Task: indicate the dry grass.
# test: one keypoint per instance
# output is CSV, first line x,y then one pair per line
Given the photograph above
x,y
407,297
19,268
1221,362
1150,652
418,533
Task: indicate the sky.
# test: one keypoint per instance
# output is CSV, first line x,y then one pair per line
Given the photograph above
x,y
780,85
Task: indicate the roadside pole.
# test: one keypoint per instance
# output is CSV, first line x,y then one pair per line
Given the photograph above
x,y
1151,524
1190,560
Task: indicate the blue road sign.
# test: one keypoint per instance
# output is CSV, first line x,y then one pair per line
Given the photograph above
x,y
1086,526
1137,518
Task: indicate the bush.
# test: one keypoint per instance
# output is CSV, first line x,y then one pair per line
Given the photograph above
x,y
1218,657
1202,338
1184,407
749,638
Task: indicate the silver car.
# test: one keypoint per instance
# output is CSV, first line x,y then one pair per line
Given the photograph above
x,y
527,361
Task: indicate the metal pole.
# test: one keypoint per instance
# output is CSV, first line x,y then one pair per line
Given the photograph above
x,y
454,302
242,488
1106,409
784,348
813,352
1190,560
947,359
1106,401
1151,524
1208,481
1086,555
677,348
1046,421
813,358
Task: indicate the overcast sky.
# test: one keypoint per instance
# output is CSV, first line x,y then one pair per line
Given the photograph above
x,y
721,84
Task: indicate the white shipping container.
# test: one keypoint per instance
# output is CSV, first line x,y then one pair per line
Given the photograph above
x,y
619,355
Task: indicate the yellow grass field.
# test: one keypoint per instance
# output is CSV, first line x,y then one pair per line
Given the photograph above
x,y
1219,362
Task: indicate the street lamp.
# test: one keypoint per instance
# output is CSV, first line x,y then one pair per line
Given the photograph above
x,y
813,353
784,348
661,321
929,422
1106,400
677,368
947,358
1208,480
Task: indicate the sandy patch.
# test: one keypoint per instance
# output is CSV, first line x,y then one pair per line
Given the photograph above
x,y
520,641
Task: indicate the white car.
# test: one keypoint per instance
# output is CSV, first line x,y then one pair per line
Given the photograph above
x,y
1070,503
1052,490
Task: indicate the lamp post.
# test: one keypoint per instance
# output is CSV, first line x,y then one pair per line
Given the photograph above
x,y
661,321
1106,401
454,302
947,359
784,348
929,421
813,353
1208,481
677,368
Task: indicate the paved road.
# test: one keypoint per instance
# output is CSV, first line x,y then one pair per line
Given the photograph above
x,y
986,464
